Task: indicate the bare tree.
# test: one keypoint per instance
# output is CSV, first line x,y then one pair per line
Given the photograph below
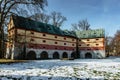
x,y
42,17
108,44
81,25
116,43
57,19
7,7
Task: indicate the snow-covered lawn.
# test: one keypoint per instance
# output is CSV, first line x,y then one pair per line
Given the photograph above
x,y
80,69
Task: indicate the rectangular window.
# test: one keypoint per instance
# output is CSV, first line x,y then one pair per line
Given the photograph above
x,y
88,40
31,39
44,34
88,44
32,32
72,44
55,36
64,43
56,42
64,38
97,44
72,39
97,39
44,41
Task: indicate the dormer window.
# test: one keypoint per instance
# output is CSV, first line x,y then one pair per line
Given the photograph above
x,y
49,28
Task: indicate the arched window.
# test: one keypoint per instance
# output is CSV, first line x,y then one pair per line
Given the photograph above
x,y
88,55
44,55
56,55
65,55
31,55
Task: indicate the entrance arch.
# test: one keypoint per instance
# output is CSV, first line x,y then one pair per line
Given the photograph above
x,y
56,55
73,55
65,55
88,55
44,55
31,55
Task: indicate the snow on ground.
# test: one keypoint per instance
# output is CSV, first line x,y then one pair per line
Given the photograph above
x,y
79,69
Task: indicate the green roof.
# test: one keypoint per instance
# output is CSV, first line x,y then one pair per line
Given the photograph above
x,y
91,33
29,24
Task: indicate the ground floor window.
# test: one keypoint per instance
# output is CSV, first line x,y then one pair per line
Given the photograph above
x,y
88,55
56,55
44,55
65,55
31,55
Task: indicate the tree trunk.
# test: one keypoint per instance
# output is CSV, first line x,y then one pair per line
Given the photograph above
x,y
2,49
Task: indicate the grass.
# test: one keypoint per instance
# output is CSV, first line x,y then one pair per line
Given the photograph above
x,y
4,61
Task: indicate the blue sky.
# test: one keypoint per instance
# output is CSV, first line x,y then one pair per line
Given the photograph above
x,y
99,13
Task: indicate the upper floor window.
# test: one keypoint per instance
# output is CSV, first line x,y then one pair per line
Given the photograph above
x,y
97,44
72,39
12,31
88,44
64,43
32,32
56,42
72,44
55,36
31,39
44,41
44,34
88,40
97,39
64,38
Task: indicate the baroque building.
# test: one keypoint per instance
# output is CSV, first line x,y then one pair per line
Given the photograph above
x,y
91,43
29,39
35,40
